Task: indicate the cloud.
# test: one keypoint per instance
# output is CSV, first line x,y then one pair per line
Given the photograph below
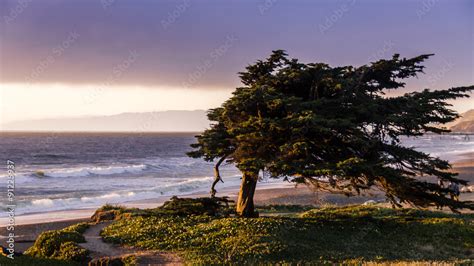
x,y
104,38
84,42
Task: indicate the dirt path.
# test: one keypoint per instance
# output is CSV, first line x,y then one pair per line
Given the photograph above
x,y
99,248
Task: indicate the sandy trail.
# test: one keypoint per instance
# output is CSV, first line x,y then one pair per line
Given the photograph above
x,y
99,248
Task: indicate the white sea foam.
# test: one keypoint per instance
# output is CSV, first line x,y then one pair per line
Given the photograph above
x,y
160,188
108,170
43,202
82,171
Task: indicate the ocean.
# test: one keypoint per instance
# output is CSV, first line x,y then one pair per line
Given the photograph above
x,y
62,171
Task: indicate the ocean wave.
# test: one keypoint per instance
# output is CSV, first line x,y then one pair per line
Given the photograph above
x,y
19,178
161,167
87,171
173,162
51,156
184,187
83,171
163,188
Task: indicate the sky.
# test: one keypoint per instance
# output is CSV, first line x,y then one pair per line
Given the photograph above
x,y
103,57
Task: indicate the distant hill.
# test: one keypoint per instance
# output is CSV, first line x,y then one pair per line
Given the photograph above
x,y
166,121
464,124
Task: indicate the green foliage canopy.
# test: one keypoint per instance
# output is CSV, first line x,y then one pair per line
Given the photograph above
x,y
335,128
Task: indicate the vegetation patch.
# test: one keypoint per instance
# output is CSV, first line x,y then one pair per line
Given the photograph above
x,y
278,209
219,207
26,260
61,244
376,212
114,212
354,233
130,260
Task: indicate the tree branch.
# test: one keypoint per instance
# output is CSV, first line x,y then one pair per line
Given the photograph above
x,y
217,176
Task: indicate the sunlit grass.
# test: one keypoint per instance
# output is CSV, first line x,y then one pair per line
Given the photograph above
x,y
355,233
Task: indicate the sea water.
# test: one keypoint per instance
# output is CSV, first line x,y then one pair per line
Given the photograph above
x,y
61,171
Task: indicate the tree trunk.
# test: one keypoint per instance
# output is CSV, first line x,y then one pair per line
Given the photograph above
x,y
245,207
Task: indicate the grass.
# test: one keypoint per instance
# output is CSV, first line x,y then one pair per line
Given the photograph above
x,y
287,235
348,234
283,208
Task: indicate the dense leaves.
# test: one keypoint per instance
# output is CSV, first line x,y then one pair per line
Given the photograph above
x,y
335,128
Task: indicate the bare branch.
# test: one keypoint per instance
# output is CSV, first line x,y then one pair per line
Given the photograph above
x,y
217,176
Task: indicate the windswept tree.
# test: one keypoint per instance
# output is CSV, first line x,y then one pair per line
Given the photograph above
x,y
332,128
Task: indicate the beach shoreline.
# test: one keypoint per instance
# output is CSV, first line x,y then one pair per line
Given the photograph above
x,y
267,193
29,226
84,213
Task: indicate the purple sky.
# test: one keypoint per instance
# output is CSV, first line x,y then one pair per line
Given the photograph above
x,y
174,38
201,45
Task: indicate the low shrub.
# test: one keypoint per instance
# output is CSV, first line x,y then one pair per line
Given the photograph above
x,y
71,251
111,212
60,244
217,207
129,260
78,228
